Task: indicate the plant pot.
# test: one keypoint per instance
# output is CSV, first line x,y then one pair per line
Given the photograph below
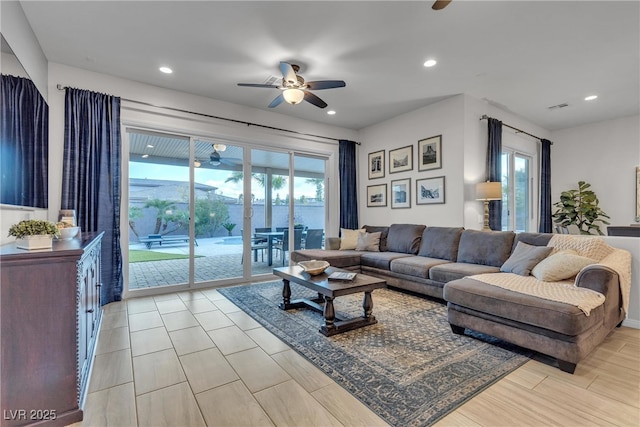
x,y
40,241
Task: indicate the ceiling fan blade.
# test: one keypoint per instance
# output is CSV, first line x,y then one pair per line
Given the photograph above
x,y
288,73
313,99
325,84
440,4
257,85
277,101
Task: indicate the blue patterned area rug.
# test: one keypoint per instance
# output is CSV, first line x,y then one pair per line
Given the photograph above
x,y
409,368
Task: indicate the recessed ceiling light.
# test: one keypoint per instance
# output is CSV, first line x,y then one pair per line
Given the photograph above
x,y
331,112
149,146
591,97
166,70
430,62
144,156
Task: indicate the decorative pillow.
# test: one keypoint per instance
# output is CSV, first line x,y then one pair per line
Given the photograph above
x,y
384,230
562,265
369,242
349,238
592,247
524,258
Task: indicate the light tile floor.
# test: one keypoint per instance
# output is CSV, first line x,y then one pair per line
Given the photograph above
x,y
195,359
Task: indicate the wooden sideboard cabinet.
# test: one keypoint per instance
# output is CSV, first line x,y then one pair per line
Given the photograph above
x,y
49,320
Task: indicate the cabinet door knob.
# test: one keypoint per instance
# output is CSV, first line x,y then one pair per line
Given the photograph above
x,y
90,310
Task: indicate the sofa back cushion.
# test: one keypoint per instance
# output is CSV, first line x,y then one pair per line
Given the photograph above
x,y
384,232
441,242
534,239
404,238
485,247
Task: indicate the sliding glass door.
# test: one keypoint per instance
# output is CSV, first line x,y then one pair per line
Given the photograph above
x,y
517,188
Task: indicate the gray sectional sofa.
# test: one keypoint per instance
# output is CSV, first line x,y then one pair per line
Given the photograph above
x,y
441,262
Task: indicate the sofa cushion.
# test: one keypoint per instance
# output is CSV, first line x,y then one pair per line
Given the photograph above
x,y
562,265
369,242
440,242
417,266
380,260
404,238
349,238
384,232
485,247
535,239
524,258
336,258
457,270
493,300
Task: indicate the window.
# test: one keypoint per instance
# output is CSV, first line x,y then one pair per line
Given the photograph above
x,y
517,191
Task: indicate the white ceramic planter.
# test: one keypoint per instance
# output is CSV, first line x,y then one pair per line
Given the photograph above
x,y
41,241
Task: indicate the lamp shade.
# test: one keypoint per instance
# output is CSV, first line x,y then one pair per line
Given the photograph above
x,y
293,96
489,191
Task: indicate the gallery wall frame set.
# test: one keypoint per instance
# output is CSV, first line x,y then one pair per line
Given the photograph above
x,y
401,193
430,191
430,153
376,164
377,195
401,159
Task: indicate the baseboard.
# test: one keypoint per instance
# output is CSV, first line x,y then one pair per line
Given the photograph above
x,y
631,323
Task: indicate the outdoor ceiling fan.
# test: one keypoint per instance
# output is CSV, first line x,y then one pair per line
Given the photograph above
x,y
295,89
215,159
440,4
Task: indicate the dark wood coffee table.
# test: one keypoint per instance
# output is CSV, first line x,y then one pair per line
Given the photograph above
x,y
328,290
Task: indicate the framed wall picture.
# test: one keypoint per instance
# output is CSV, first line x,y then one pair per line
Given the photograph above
x,y
638,194
401,159
376,164
430,153
401,193
377,195
430,191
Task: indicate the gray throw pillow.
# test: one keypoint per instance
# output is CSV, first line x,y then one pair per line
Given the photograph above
x,y
524,258
384,232
369,242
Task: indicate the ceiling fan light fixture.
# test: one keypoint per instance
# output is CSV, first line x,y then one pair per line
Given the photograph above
x,y
293,96
197,164
219,147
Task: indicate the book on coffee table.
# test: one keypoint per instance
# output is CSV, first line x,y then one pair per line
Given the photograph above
x,y
342,275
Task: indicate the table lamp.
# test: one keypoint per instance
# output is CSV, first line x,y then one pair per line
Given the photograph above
x,y
487,191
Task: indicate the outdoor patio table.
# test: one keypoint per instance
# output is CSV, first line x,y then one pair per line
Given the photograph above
x,y
270,236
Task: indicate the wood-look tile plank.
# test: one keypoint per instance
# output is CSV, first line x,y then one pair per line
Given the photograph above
x,y
190,340
179,320
527,378
346,408
146,320
157,370
301,370
288,404
257,370
232,405
114,406
113,340
266,340
111,369
207,369
231,339
456,419
140,305
213,320
171,406
149,340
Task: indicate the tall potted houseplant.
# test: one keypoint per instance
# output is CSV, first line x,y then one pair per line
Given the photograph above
x,y
579,207
34,233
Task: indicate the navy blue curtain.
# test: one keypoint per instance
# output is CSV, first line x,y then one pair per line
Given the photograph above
x,y
494,170
546,222
91,176
348,185
24,147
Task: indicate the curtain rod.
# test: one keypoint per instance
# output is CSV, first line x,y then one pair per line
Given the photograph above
x,y
485,117
60,87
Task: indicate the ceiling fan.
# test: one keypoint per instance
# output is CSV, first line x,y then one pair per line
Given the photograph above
x,y
440,4
215,159
295,89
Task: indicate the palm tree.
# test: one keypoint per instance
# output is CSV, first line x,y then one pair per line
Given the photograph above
x,y
162,206
319,183
277,181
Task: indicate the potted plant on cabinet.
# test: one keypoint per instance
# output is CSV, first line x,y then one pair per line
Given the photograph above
x,y
580,207
34,233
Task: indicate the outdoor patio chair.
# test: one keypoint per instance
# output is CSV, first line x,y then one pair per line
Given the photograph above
x,y
313,239
257,244
283,246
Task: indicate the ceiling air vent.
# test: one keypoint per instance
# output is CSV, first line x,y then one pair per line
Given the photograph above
x,y
557,107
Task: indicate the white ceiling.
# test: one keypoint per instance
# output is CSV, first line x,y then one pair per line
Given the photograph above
x,y
522,56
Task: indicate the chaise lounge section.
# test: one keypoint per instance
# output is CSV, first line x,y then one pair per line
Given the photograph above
x,y
485,278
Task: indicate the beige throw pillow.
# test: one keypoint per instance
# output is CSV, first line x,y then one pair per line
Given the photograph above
x,y
562,265
369,242
349,238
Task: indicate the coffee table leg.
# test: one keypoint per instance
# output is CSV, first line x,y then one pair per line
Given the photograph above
x,y
367,304
329,313
286,292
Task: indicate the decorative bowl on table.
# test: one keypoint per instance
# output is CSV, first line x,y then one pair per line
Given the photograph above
x,y
68,233
314,267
